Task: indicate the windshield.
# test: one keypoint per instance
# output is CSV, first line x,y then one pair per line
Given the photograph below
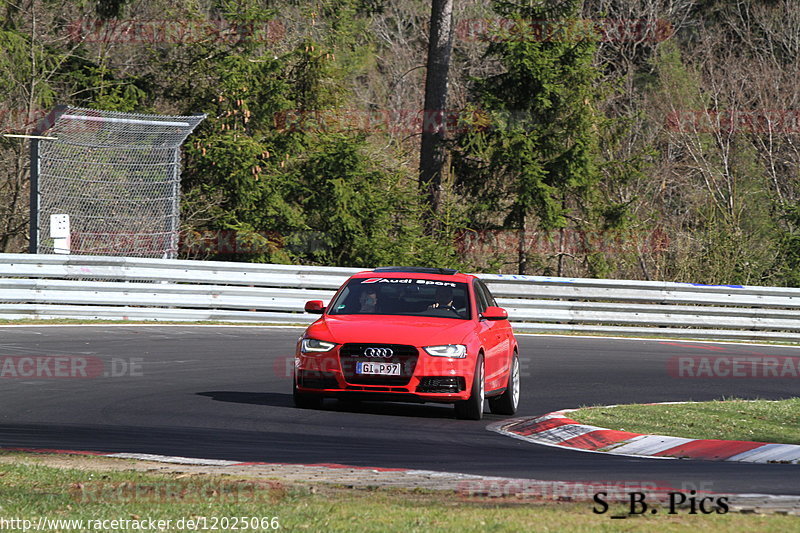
x,y
403,296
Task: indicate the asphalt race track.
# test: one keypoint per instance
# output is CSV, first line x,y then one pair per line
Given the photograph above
x,y
224,393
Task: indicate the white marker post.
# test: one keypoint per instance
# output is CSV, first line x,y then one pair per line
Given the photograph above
x,y
59,231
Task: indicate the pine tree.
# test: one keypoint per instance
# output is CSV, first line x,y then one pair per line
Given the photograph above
x,y
536,160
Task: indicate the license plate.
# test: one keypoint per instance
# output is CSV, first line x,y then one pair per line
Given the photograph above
x,y
382,369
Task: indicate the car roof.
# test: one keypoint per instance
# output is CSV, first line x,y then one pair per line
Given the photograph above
x,y
417,270
438,274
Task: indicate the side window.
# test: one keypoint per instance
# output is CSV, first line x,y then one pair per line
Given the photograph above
x,y
489,298
480,297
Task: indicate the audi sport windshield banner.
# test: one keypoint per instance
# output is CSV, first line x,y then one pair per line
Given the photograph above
x,y
403,296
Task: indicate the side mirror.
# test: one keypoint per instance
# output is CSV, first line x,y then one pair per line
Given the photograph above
x,y
494,313
315,307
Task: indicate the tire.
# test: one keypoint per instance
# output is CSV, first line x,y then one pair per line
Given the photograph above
x,y
472,409
506,403
305,400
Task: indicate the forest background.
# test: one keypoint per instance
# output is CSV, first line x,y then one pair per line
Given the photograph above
x,y
641,139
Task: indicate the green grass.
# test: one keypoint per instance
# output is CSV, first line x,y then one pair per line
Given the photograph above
x,y
34,490
760,420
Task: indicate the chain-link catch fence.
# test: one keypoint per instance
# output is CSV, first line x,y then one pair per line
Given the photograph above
x,y
117,177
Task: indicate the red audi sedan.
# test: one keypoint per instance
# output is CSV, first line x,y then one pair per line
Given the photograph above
x,y
410,334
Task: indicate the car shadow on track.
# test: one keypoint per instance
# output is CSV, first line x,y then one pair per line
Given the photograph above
x,y
275,399
255,398
389,408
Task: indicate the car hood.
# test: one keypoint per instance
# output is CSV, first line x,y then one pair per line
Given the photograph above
x,y
386,329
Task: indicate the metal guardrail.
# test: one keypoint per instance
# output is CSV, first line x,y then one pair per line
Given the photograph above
x,y
122,288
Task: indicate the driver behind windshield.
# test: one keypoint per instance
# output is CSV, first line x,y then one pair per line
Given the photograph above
x,y
369,300
443,298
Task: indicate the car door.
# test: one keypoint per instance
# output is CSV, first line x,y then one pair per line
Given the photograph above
x,y
503,327
494,341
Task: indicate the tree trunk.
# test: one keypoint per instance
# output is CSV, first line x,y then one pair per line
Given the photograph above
x,y
522,251
432,153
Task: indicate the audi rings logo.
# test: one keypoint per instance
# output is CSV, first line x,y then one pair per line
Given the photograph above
x,y
379,352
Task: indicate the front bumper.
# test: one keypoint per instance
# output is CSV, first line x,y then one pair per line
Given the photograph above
x,y
424,377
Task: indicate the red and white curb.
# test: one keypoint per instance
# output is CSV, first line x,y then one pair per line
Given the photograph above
x,y
557,429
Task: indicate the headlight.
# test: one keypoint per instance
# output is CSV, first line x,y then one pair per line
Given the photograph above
x,y
455,351
314,345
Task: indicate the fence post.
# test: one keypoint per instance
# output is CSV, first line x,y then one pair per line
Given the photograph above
x,y
33,244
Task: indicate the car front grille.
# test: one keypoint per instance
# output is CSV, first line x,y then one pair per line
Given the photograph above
x,y
352,353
